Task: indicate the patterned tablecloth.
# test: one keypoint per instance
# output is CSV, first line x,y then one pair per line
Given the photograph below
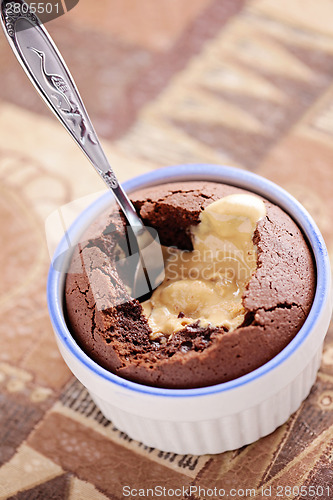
x,y
166,82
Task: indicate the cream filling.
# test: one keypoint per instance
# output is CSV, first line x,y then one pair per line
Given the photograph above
x,y
207,284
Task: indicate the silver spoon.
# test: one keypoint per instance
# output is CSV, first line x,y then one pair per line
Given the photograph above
x,y
44,65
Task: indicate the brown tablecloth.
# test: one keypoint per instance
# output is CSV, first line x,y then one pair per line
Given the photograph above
x,y
166,82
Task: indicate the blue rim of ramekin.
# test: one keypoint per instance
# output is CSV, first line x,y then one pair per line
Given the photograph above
x,y
216,173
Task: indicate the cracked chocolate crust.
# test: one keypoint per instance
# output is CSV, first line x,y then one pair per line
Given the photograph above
x,y
109,324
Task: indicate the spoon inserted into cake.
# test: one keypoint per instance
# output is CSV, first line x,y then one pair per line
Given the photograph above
x,y
44,65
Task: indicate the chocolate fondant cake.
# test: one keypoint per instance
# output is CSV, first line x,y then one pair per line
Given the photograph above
x,y
112,328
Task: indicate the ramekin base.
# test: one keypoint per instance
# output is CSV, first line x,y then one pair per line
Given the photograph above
x,y
220,434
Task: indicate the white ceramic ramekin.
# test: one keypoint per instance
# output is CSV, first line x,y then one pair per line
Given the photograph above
x,y
224,416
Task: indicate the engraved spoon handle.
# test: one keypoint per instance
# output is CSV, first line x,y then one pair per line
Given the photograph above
x,y
42,62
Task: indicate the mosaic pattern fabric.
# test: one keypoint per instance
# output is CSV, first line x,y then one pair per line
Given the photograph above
x,y
244,83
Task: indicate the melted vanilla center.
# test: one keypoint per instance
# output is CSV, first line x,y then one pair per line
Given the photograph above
x,y
206,285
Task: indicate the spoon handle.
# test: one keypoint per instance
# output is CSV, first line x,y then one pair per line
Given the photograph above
x,y
44,65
